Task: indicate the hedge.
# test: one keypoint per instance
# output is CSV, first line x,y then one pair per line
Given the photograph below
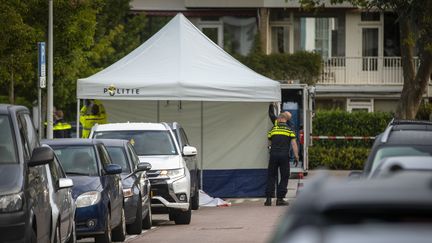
x,y
342,154
342,123
347,158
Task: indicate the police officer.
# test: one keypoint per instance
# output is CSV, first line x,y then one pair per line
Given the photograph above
x,y
93,112
61,129
281,139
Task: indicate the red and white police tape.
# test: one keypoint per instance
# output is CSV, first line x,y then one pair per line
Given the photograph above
x,y
342,138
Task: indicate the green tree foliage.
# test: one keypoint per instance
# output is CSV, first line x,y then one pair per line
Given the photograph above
x,y
17,49
88,36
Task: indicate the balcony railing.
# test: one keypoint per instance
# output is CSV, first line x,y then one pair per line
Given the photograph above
x,y
363,70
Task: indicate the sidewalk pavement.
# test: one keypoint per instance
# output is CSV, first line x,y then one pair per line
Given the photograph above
x,y
293,185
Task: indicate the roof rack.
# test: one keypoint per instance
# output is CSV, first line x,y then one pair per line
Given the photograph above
x,y
410,122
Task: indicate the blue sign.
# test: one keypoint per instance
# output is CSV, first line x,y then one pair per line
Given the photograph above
x,y
41,64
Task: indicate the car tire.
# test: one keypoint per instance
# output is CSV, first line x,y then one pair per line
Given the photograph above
x,y
72,237
171,216
119,232
147,221
136,227
57,234
106,236
33,236
183,217
195,199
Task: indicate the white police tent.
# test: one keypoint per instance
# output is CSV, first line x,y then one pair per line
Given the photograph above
x,y
181,75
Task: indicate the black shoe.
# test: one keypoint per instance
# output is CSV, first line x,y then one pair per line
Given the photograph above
x,y
281,202
268,202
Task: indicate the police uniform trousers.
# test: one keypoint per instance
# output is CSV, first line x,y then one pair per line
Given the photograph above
x,y
279,160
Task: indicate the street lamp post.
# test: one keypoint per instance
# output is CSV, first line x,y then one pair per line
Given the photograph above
x,y
49,134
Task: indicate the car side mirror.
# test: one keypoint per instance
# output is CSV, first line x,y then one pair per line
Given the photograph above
x,y
189,151
113,169
143,166
41,156
65,183
353,175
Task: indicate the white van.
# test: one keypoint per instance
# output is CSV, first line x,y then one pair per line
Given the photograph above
x,y
169,177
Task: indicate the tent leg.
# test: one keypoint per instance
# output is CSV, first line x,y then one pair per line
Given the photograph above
x,y
202,146
78,118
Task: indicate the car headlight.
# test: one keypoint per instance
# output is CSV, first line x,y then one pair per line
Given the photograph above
x,y
173,173
87,199
11,203
127,192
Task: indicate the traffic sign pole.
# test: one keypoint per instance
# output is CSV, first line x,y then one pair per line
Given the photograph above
x,y
50,73
41,83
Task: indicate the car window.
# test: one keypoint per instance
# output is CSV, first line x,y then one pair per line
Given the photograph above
x,y
133,155
55,170
7,142
184,137
77,160
22,128
144,142
118,156
392,151
31,134
103,154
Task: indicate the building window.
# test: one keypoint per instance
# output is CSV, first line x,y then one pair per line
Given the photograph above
x,y
370,49
214,32
391,35
325,35
234,34
280,39
354,105
370,16
239,34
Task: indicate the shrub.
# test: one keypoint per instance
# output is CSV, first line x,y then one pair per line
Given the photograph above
x,y
342,123
343,154
345,158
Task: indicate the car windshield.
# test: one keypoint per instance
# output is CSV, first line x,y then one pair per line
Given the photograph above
x,y
118,157
145,142
414,150
77,160
7,143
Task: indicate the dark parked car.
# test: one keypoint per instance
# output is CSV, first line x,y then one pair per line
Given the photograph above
x,y
97,189
391,209
35,203
401,138
136,184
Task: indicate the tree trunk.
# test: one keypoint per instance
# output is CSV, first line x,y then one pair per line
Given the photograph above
x,y
406,103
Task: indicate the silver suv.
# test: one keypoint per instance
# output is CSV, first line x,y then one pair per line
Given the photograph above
x,y
170,178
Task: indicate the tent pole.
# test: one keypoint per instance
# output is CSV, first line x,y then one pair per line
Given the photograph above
x,y
202,145
78,118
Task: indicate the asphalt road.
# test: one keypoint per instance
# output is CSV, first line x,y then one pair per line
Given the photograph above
x,y
244,221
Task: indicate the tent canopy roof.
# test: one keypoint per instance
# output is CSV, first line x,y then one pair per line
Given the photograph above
x,y
179,63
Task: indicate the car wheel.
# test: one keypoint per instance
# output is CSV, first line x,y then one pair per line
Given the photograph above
x,y
147,221
195,199
181,217
57,234
106,236
171,216
33,236
72,237
119,233
136,226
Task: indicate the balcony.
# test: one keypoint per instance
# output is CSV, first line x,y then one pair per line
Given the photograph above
x,y
363,71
